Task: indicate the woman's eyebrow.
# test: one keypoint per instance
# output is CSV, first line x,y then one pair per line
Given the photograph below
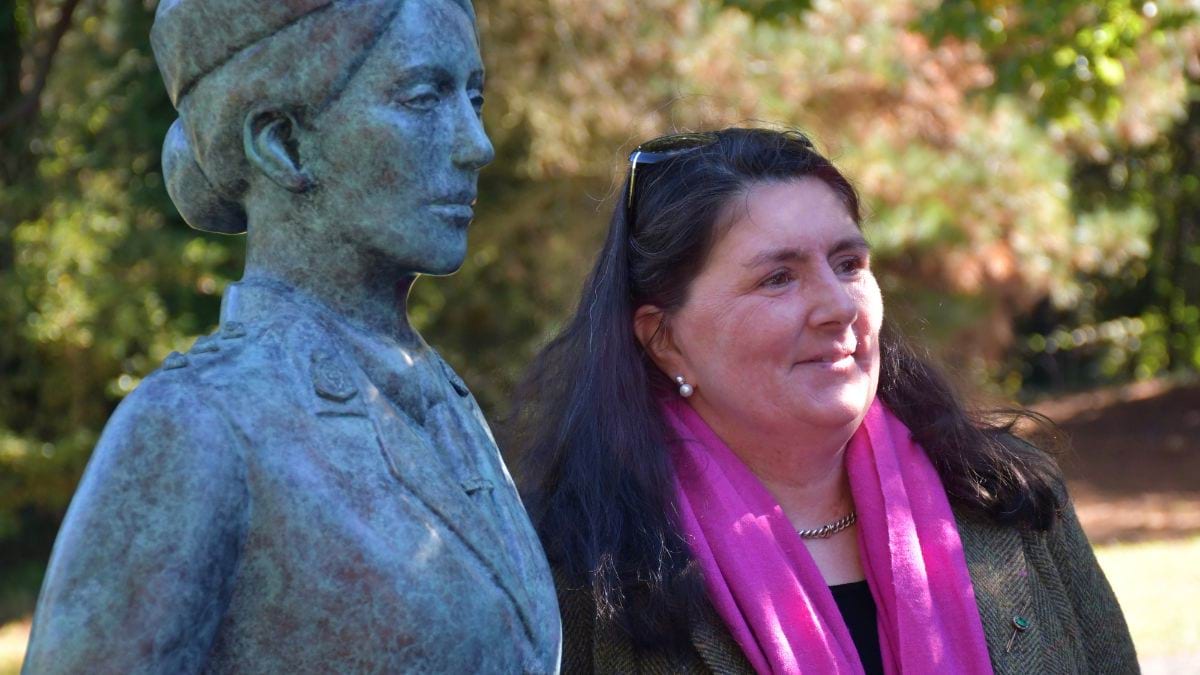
x,y
855,241
792,254
778,255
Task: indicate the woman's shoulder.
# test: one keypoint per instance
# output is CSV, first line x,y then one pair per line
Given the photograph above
x,y
1057,498
1051,580
1018,444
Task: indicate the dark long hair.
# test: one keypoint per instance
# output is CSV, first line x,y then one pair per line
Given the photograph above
x,y
592,445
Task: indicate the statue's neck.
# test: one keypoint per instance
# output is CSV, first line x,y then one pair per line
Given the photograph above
x,y
374,303
307,254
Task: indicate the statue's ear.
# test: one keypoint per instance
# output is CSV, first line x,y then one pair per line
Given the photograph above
x,y
271,146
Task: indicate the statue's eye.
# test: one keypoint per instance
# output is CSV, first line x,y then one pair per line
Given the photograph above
x,y
420,97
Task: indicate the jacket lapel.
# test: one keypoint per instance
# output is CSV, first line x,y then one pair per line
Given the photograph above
x,y
1001,577
715,644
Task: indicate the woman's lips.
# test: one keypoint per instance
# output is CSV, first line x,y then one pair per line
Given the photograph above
x,y
835,358
832,362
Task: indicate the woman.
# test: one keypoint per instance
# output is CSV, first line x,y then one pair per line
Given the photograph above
x,y
312,489
734,464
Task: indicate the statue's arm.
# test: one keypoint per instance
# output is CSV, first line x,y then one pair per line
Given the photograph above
x,y
144,563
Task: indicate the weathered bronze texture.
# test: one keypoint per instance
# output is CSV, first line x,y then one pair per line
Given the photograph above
x,y
311,488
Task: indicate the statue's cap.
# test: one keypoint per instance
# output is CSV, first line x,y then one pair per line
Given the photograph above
x,y
191,38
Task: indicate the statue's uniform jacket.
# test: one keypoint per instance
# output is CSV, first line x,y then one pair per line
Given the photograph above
x,y
259,505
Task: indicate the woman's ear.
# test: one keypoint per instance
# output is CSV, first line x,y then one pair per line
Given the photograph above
x,y
271,146
653,331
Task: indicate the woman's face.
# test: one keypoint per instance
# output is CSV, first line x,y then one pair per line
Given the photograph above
x,y
400,151
780,331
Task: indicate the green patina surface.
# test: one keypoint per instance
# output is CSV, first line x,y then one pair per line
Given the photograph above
x,y
311,488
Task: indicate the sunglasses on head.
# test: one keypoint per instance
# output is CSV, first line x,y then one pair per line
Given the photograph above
x,y
666,147
663,148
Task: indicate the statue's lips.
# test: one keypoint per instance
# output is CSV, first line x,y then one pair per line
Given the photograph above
x,y
453,211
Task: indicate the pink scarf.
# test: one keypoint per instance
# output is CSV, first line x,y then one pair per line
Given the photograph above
x,y
765,586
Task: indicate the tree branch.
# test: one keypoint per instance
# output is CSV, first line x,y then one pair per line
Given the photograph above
x,y
31,102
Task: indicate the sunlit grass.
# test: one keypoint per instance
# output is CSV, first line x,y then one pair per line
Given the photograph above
x,y
1158,585
13,637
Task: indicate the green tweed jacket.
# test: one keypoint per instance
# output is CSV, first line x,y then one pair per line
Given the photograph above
x,y
1049,579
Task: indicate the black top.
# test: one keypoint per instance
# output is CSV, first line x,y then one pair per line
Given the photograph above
x,y
858,611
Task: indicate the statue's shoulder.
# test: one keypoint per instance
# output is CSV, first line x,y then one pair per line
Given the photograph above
x,y
219,360
210,403
290,361
181,418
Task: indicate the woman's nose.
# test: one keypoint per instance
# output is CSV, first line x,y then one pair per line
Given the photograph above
x,y
833,303
472,147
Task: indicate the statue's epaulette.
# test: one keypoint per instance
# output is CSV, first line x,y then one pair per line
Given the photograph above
x,y
292,351
208,349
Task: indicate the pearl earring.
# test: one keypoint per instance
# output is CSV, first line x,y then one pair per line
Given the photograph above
x,y
685,389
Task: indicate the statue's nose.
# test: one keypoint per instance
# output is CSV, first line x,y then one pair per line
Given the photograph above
x,y
472,149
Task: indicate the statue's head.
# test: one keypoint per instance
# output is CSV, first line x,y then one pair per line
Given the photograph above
x,y
343,126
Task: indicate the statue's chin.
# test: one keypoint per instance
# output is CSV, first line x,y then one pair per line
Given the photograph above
x,y
435,258
445,260
443,270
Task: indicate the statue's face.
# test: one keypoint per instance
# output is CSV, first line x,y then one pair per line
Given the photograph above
x,y
400,151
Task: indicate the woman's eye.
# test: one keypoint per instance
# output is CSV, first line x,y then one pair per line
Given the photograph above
x,y
477,102
780,278
851,265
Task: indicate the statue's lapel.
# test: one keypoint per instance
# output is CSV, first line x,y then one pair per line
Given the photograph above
x,y
341,388
414,464
420,469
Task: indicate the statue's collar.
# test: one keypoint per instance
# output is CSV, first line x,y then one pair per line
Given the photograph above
x,y
262,299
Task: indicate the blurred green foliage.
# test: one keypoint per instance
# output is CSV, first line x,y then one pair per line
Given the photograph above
x,y
1030,171
1135,175
99,279
1066,56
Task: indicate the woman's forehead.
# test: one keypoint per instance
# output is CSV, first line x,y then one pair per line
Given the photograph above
x,y
803,213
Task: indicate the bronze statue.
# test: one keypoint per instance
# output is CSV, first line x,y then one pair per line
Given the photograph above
x,y
311,488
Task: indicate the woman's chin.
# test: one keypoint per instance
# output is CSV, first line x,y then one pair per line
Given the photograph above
x,y
840,409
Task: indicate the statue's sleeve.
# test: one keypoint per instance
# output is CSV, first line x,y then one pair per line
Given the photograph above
x,y
143,567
